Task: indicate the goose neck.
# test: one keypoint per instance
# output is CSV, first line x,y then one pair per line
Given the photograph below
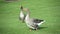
x,y
27,16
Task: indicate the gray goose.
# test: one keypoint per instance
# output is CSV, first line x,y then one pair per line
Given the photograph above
x,y
22,15
32,23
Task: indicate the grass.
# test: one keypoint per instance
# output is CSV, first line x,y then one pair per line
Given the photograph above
x,y
48,10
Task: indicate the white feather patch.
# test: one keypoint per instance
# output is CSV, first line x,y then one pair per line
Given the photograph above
x,y
41,23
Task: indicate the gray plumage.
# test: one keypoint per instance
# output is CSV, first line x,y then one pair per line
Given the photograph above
x,y
32,22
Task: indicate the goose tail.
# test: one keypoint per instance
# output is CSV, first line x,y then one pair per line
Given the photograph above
x,y
41,23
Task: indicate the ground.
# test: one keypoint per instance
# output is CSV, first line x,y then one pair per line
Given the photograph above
x,y
49,10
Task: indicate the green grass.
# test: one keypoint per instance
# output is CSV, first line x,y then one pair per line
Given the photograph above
x,y
49,10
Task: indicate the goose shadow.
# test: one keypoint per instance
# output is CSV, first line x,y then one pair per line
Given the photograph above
x,y
42,27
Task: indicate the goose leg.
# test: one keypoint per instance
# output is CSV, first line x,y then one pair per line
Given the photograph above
x,y
36,28
22,20
30,29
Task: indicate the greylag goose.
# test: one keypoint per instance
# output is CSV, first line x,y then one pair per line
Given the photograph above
x,y
32,23
22,15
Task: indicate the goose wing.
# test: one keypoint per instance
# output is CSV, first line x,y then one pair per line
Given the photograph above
x,y
37,21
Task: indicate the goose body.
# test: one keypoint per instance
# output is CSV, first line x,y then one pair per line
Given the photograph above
x,y
32,22
22,16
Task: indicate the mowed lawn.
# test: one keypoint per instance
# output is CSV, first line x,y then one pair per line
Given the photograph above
x,y
49,10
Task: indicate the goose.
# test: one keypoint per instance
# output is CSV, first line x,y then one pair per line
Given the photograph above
x,y
32,23
22,15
